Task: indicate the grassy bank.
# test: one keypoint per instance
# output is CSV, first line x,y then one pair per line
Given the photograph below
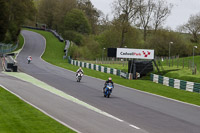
x,y
18,117
21,42
54,54
181,68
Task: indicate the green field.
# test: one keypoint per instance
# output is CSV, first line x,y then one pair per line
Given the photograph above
x,y
16,116
181,68
54,54
21,42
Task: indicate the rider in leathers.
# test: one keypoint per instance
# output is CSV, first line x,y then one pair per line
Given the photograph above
x,y
79,70
108,81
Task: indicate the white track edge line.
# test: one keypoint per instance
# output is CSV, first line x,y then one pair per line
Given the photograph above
x,y
134,126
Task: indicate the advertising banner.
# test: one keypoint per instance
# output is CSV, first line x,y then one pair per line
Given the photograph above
x,y
135,53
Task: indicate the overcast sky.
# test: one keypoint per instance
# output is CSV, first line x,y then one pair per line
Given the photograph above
x,y
180,13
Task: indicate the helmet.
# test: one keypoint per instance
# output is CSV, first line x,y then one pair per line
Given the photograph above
x,y
109,78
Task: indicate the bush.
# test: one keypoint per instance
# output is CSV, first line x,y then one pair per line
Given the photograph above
x,y
111,38
73,51
160,43
73,36
89,50
77,21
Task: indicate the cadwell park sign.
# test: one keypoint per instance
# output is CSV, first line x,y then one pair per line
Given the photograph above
x,y
135,53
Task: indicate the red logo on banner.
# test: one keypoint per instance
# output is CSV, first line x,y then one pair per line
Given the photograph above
x,y
146,53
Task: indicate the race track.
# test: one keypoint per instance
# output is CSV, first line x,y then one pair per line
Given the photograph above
x,y
134,109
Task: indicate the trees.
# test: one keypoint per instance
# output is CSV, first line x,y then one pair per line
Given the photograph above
x,y
77,21
76,25
152,14
52,12
145,14
46,12
125,11
111,37
3,19
92,13
160,43
193,27
62,8
13,15
19,11
161,12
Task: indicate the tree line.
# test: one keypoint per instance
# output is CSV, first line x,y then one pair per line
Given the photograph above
x,y
13,14
135,24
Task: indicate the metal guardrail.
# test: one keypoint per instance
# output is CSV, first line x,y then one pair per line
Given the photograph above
x,y
60,38
7,48
67,45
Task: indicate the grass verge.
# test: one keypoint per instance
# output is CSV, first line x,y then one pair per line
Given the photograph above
x,y
54,53
181,68
19,117
21,42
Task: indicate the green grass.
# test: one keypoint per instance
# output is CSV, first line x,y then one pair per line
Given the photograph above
x,y
21,42
122,67
16,116
182,69
54,47
113,64
177,71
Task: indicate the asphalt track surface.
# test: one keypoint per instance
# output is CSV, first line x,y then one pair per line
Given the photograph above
x,y
150,113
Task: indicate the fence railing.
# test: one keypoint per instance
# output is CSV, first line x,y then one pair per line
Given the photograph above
x,y
181,63
7,48
176,83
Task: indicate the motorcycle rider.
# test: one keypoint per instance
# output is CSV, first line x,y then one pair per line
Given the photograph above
x,y
107,82
79,70
29,59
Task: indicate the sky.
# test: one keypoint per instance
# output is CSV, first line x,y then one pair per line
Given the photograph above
x,y
180,14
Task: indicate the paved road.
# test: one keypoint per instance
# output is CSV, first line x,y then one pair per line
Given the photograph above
x,y
74,115
148,112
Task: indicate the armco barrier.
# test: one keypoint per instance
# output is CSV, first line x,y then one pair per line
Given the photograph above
x,y
176,83
49,30
99,68
7,48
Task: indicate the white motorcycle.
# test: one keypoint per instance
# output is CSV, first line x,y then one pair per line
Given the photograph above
x,y
79,76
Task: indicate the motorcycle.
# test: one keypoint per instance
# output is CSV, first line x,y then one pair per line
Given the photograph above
x,y
79,76
29,61
108,90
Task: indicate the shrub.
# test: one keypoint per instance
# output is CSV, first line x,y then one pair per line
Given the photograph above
x,y
73,36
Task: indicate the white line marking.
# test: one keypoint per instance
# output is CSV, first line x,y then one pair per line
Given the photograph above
x,y
162,96
134,127
41,110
